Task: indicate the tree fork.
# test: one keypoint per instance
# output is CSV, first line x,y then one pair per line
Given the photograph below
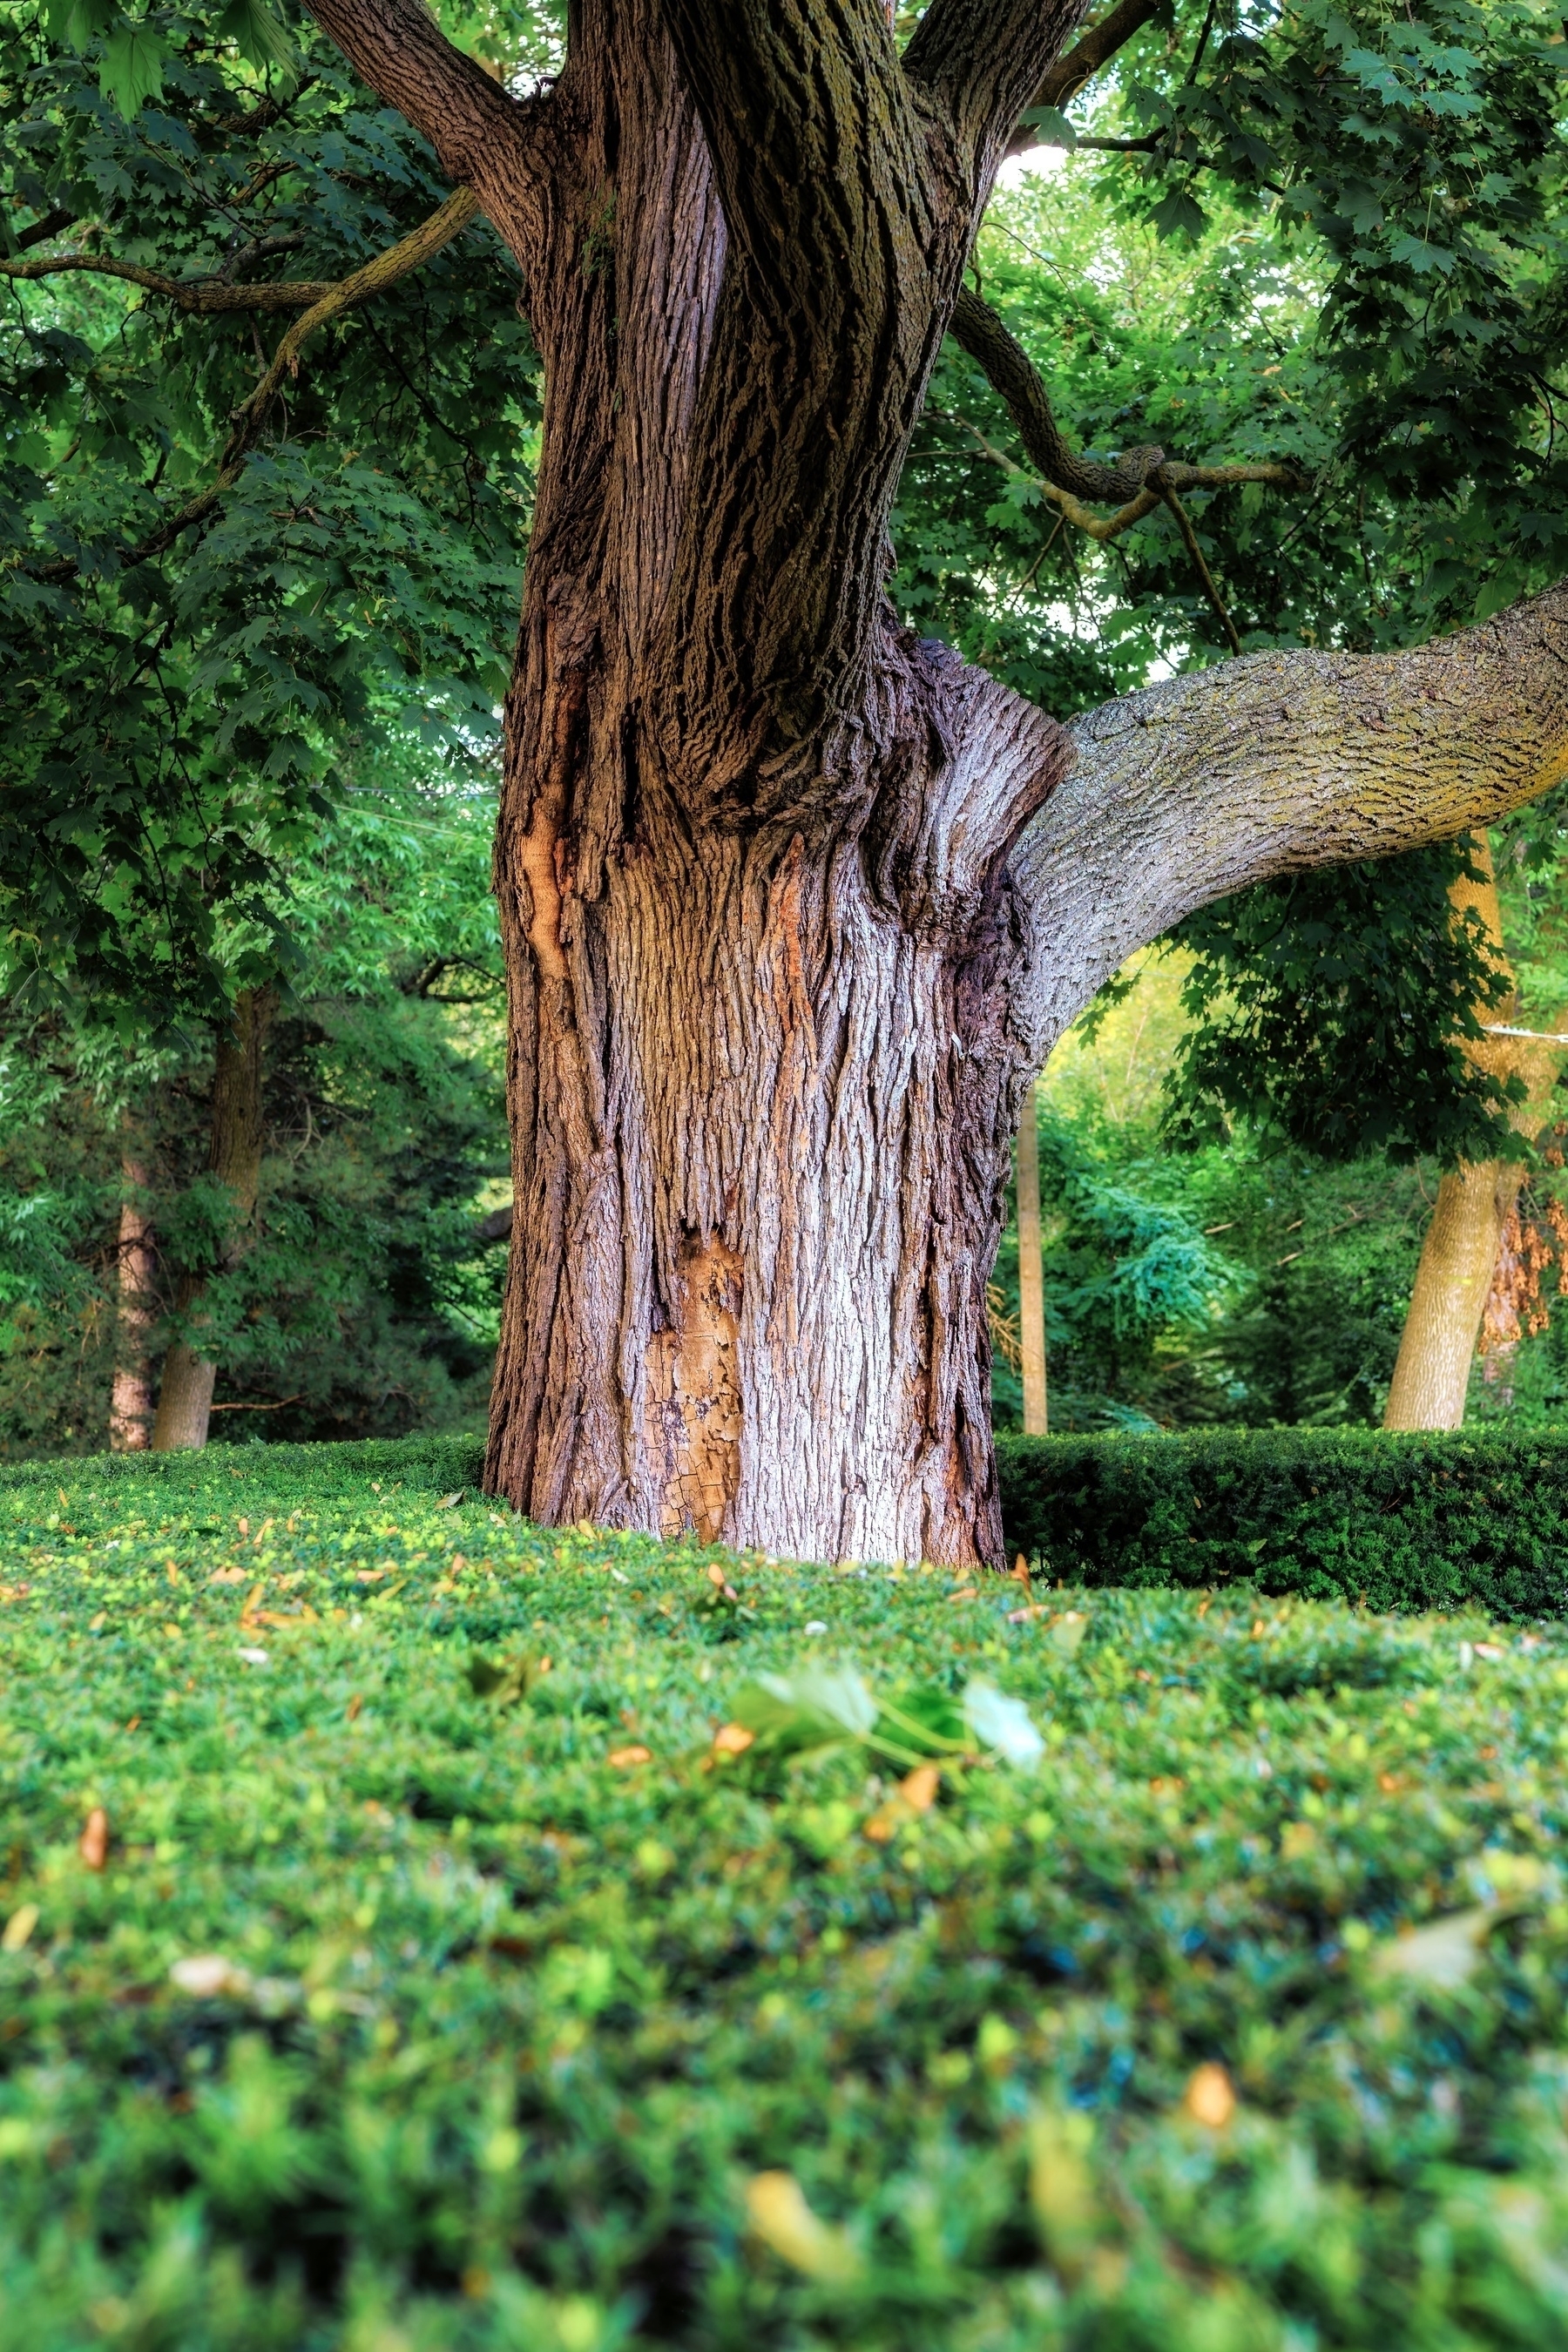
x,y
793,905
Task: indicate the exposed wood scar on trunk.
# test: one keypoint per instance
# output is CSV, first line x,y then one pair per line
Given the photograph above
x,y
693,1408
545,851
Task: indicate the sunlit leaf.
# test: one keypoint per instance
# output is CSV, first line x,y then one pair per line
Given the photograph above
x,y
780,2216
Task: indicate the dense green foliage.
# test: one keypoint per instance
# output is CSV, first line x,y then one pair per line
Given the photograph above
x,y
397,2017
171,713
364,1299
1445,1520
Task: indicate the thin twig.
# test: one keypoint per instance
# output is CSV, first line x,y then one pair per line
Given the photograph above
x,y
1190,541
198,294
247,421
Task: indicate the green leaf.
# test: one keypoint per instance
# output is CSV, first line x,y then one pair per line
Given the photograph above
x,y
1177,216
1053,126
1002,1723
76,23
133,69
258,36
790,1713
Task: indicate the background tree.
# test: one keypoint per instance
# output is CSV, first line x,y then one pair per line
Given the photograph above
x,y
367,1300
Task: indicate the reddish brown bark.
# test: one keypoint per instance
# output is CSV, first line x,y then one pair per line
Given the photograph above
x,y
190,1371
780,965
131,1408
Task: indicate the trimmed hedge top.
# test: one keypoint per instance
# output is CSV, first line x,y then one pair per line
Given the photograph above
x,y
1451,1521
354,2000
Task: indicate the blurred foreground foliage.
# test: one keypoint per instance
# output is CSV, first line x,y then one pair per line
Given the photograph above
x,y
345,2006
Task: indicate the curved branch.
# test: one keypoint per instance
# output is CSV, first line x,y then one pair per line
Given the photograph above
x,y
199,294
982,58
1012,376
1062,83
409,254
1275,763
502,147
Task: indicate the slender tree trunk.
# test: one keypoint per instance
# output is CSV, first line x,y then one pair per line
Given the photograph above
x,y
1432,1375
1031,1269
794,905
1459,1252
131,1410
186,1396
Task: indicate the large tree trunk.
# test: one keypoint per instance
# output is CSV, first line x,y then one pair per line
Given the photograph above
x,y
185,1394
131,1408
793,905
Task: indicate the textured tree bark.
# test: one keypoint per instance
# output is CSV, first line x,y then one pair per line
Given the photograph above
x,y
794,905
185,1392
1031,1269
131,1407
1459,1250
1432,1375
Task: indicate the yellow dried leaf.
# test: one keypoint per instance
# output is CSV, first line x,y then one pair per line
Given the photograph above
x,y
918,1788
780,2216
733,1740
1209,2099
20,1928
93,1844
96,1625
1444,1955
354,1705
621,1757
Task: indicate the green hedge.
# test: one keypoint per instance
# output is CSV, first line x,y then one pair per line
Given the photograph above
x,y
1449,1520
344,2010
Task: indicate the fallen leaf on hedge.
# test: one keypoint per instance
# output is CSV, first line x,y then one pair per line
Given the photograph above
x,y
733,1740
623,1757
354,1705
507,1683
788,1714
1069,1631
780,2216
93,1844
1209,2099
449,1502
965,1592
1444,1955
18,1927
96,1625
1002,1723
205,1975
1061,2188
1499,1878
918,1788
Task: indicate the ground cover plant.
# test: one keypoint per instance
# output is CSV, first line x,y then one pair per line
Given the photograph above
x,y
367,1980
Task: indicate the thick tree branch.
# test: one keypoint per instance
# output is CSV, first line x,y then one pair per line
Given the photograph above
x,y
197,294
1069,74
502,147
1012,376
409,254
1275,763
983,59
